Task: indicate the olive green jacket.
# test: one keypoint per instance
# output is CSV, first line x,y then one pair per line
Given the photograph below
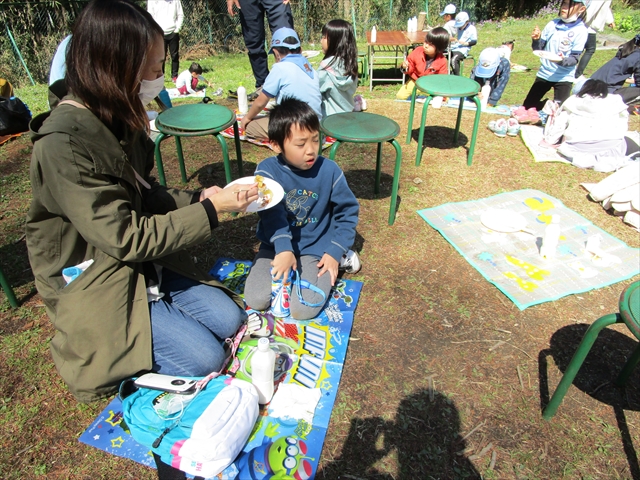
x,y
88,204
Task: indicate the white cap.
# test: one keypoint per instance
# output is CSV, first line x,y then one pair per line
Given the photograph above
x,y
461,19
488,63
448,10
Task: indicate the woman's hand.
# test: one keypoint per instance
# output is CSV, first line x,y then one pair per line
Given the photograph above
x,y
282,263
536,33
328,264
233,199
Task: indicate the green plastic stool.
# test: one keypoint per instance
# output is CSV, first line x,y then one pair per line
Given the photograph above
x,y
8,291
194,121
629,307
361,127
445,86
363,60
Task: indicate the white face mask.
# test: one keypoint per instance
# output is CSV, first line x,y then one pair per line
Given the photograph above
x,y
149,89
570,19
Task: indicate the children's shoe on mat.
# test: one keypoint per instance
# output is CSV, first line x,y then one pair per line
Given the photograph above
x,y
521,115
513,127
534,116
498,127
350,262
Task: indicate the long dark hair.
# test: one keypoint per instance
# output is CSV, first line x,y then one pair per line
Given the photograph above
x,y
628,48
106,59
341,44
594,88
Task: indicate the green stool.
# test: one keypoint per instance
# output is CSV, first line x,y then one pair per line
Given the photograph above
x,y
629,307
8,291
360,127
194,121
363,60
468,57
445,86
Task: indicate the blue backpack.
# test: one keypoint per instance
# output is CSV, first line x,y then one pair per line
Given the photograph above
x,y
201,433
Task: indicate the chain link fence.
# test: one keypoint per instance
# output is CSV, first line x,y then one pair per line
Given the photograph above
x,y
33,29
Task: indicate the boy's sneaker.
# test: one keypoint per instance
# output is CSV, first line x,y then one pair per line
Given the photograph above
x,y
513,127
350,262
253,95
499,127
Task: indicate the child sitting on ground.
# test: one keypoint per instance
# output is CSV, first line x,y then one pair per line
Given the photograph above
x,y
291,76
492,69
616,71
187,81
425,60
338,71
564,37
313,228
467,38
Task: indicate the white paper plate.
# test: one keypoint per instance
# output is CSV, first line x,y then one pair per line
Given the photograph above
x,y
275,187
505,221
547,55
311,53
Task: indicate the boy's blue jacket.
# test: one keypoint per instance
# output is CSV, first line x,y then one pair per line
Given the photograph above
x,y
317,215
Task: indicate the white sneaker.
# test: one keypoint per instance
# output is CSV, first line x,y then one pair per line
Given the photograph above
x,y
350,262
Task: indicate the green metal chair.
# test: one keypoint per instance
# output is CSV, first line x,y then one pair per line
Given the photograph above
x,y
468,57
629,314
8,291
196,120
361,127
445,86
363,59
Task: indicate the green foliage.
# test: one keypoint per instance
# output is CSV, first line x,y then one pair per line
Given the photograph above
x,y
627,22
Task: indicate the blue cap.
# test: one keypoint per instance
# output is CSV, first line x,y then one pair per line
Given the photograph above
x,y
461,19
278,39
448,10
487,63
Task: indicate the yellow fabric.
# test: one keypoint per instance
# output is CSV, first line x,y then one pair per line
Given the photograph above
x,y
406,90
6,90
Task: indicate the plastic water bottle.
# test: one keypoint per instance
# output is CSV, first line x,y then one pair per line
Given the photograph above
x,y
409,25
243,104
373,34
485,91
551,238
263,363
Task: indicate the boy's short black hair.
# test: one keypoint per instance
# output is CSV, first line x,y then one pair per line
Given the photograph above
x,y
195,67
439,38
291,111
284,51
594,88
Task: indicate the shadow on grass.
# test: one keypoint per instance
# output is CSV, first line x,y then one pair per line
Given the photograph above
x,y
597,375
439,137
425,435
16,268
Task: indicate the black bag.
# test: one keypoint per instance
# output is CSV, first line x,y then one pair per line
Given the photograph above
x,y
14,116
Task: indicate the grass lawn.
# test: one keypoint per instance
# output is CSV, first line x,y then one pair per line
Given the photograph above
x,y
425,392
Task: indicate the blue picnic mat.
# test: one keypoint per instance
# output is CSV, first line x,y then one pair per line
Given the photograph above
x,y
313,353
512,261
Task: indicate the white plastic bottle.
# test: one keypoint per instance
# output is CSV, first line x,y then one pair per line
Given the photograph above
x,y
373,34
485,92
263,363
409,25
551,238
243,104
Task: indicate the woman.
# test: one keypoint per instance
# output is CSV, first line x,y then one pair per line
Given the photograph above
x,y
592,127
141,303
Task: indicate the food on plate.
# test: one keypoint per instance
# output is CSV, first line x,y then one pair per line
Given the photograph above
x,y
264,194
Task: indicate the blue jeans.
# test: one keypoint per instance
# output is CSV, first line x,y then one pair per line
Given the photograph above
x,y
189,326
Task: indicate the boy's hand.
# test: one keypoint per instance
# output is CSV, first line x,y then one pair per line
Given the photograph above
x,y
282,263
405,65
230,4
536,33
328,264
243,123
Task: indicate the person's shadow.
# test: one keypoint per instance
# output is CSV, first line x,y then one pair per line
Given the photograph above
x,y
596,377
425,435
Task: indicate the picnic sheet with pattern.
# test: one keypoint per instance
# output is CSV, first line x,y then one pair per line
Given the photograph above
x,y
311,354
512,261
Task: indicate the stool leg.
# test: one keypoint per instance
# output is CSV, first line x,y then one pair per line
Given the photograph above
x,y
476,122
183,171
159,165
458,121
236,139
423,121
396,181
225,156
8,291
376,188
631,364
411,110
334,149
570,373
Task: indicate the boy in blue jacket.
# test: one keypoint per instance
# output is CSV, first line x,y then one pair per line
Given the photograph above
x,y
313,228
565,37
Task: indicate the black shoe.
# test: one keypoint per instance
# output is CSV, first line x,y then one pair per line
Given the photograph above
x,y
252,96
233,94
